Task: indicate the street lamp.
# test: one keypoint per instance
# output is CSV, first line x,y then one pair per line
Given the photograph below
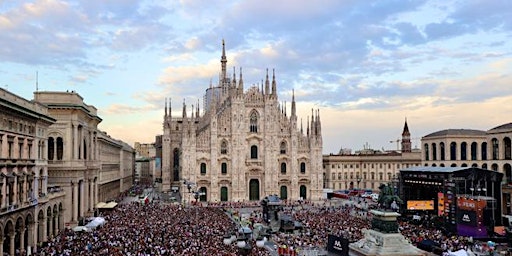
x,y
358,181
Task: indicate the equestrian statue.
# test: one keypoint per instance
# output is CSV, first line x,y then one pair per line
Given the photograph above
x,y
388,200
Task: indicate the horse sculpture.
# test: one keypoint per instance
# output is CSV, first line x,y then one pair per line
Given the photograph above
x,y
388,200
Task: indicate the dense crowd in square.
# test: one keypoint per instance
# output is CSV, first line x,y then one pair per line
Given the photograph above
x,y
137,229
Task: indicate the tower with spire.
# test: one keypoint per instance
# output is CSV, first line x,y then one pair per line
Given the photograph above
x,y
406,138
242,145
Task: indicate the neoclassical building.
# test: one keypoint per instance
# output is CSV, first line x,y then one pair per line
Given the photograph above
x,y
30,209
368,168
244,146
85,162
489,149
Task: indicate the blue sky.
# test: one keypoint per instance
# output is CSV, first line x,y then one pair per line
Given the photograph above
x,y
367,65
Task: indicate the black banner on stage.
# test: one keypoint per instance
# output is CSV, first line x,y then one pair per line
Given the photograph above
x,y
467,218
337,245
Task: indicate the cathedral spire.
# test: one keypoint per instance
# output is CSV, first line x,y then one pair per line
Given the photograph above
x,y
166,107
234,78
293,104
197,110
318,123
267,84
241,82
301,130
192,111
170,113
274,83
312,122
307,127
223,61
184,109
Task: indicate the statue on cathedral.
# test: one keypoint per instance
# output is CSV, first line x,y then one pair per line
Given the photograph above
x,y
388,200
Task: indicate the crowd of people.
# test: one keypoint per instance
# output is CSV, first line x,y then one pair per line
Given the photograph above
x,y
173,229
151,229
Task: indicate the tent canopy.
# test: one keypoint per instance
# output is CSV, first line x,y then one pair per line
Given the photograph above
x,y
103,205
81,229
460,252
110,205
100,205
98,221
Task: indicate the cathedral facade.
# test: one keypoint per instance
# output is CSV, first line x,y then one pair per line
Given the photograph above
x,y
242,147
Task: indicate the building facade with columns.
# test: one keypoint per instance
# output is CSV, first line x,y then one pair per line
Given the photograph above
x,y
117,168
487,149
368,168
85,162
243,146
30,209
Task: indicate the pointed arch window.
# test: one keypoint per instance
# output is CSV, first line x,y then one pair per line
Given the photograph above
x,y
283,168
283,147
223,147
253,122
254,152
203,169
302,167
224,168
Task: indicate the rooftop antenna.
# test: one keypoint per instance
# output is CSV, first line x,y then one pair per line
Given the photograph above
x,y
37,81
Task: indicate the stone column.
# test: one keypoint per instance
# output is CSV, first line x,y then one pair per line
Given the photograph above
x,y
2,190
15,190
91,148
45,180
43,228
11,243
90,195
75,142
22,238
95,185
75,202
55,224
49,221
55,148
2,239
31,234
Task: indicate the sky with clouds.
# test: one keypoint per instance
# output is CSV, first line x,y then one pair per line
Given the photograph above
x,y
367,65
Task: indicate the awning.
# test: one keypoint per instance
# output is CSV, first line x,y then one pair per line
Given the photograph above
x,y
100,205
110,205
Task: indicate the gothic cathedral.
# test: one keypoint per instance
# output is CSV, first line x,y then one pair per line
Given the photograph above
x,y
243,146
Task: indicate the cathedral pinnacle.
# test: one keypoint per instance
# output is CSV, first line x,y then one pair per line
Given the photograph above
x,y
293,104
241,82
223,62
234,78
267,84
165,107
184,109
274,89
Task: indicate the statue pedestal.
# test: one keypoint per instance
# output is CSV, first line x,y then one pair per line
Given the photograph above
x,y
384,238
